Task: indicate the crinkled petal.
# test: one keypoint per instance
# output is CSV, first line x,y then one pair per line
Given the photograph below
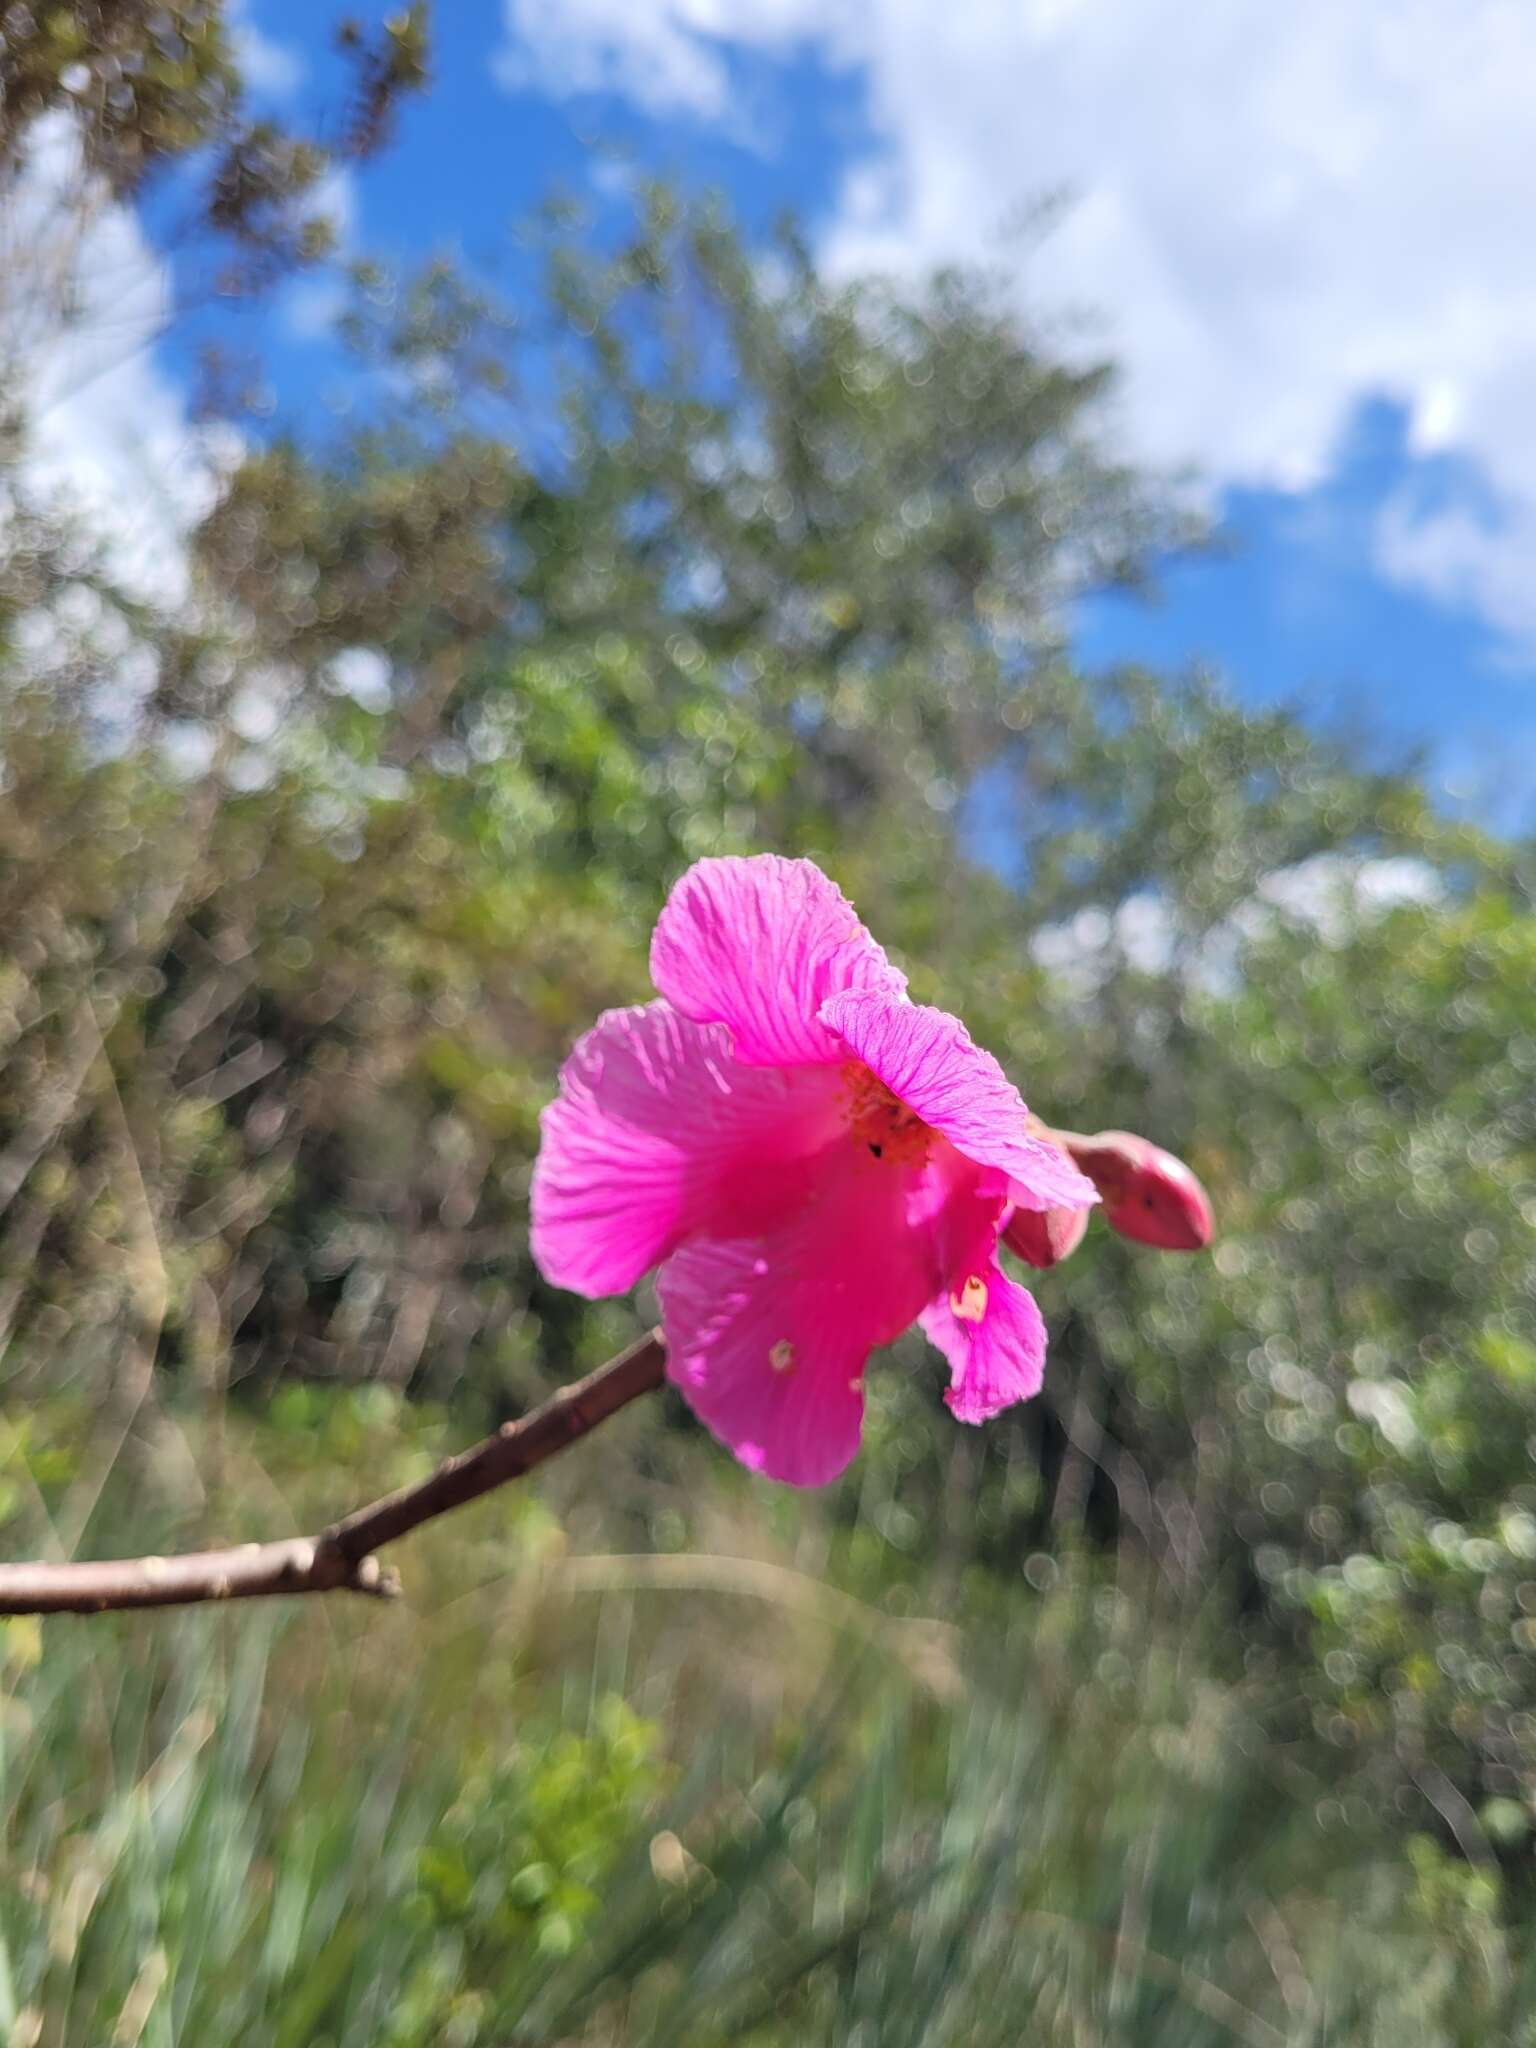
x,y
657,1132
993,1335
767,1337
927,1058
758,944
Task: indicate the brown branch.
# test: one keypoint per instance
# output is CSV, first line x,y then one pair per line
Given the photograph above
x,y
342,1557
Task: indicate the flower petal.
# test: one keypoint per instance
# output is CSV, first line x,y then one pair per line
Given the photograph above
x,y
926,1057
758,945
767,1337
657,1132
1044,1237
993,1335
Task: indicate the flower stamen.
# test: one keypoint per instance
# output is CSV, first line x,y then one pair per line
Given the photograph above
x,y
881,1122
970,1304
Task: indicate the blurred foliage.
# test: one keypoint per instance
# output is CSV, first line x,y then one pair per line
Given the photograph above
x,y
151,85
307,885
687,1817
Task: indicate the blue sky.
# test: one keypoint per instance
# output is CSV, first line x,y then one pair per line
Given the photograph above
x,y
1308,245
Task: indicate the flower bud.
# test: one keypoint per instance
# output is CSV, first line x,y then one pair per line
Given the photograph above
x,y
1147,1194
1045,1236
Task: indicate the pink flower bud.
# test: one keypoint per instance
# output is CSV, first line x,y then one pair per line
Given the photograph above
x,y
1148,1195
1045,1236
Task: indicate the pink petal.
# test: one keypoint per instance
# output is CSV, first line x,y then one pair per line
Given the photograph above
x,y
657,1132
987,1326
758,945
990,1330
960,1206
1045,1237
926,1057
767,1337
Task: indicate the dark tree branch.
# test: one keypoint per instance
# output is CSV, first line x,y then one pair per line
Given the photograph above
x,y
341,1558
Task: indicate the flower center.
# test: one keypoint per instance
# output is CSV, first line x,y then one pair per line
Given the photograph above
x,y
877,1120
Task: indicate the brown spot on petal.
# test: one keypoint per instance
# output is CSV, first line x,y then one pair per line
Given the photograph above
x,y
781,1356
970,1304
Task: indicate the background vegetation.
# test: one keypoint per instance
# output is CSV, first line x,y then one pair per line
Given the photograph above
x,y
307,879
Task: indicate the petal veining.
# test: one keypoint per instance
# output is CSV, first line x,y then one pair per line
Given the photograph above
x,y
657,1132
928,1059
758,944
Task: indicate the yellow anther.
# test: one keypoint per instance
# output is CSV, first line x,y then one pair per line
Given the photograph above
x,y
880,1122
970,1304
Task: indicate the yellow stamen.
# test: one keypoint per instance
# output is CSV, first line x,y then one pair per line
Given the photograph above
x,y
970,1304
883,1125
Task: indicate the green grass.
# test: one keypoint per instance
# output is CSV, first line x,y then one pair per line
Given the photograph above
x,y
560,1799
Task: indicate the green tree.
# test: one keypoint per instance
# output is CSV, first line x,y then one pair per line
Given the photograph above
x,y
697,552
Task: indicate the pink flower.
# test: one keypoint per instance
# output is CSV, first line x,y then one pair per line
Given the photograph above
x,y
813,1161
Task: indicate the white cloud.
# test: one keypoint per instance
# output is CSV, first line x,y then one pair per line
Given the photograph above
x,y
661,61
1467,555
83,297
334,199
1084,950
1329,895
271,69
1278,210
313,305
1331,892
314,302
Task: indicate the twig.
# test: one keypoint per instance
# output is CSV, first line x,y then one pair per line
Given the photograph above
x,y
342,1557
